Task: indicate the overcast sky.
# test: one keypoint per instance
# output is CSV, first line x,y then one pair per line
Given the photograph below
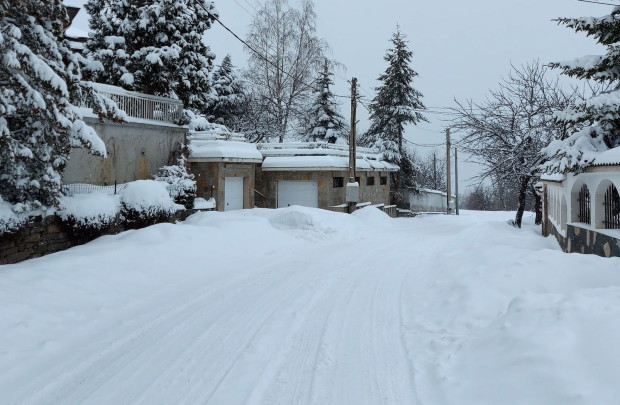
x,y
461,49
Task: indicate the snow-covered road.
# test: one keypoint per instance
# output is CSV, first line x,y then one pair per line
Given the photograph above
x,y
303,306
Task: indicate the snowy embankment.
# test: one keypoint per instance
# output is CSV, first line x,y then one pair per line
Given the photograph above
x,y
300,306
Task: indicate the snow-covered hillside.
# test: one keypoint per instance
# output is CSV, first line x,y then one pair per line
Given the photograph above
x,y
303,306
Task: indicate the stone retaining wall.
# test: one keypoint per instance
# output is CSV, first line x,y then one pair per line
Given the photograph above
x,y
42,236
588,241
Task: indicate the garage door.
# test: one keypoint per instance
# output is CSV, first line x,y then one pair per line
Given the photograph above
x,y
233,193
304,193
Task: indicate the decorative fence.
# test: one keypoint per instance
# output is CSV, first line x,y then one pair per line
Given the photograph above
x,y
583,211
145,106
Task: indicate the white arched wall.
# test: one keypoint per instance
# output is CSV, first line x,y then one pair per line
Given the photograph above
x,y
599,208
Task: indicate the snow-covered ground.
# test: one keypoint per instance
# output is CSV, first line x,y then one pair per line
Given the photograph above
x,y
303,306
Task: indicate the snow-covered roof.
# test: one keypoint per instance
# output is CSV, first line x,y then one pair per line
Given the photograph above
x,y
610,157
216,146
557,177
320,156
278,163
79,26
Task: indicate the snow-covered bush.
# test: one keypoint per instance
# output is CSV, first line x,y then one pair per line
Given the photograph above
x,y
146,202
9,221
89,214
180,184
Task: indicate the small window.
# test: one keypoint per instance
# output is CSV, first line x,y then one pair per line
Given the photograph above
x,y
357,180
370,181
383,180
338,182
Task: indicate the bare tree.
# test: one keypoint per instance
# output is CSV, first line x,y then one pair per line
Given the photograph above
x,y
506,132
430,169
289,55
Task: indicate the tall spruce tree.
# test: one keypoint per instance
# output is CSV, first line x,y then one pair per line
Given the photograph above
x,y
597,119
229,96
40,86
325,121
395,105
154,47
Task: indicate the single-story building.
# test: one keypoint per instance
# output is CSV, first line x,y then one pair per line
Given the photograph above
x,y
273,175
224,166
315,174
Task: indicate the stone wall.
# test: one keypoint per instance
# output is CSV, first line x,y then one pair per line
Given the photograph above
x,y
42,236
588,241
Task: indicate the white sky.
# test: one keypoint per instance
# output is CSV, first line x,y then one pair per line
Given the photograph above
x,y
461,49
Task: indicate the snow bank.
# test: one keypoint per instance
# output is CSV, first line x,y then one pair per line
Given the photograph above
x,y
90,210
202,204
147,196
310,221
372,216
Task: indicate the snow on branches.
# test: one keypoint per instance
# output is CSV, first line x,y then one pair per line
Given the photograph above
x,y
154,47
596,120
40,87
325,123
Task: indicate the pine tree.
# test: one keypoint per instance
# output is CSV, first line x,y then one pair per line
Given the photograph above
x,y
325,121
229,96
154,47
40,84
596,120
395,105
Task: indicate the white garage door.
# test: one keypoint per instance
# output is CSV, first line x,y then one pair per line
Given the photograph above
x,y
233,193
304,193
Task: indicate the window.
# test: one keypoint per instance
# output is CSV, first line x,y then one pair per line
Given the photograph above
x,y
370,181
338,182
584,205
383,180
357,180
612,208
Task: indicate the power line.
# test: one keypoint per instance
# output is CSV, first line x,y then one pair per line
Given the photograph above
x,y
244,9
598,2
251,6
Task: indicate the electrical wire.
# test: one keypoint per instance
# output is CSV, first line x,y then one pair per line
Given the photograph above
x,y
598,2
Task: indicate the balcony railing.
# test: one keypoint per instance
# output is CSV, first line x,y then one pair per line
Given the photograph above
x,y
144,106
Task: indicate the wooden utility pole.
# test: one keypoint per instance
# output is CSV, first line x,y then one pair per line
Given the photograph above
x,y
352,151
456,179
448,186
434,170
353,189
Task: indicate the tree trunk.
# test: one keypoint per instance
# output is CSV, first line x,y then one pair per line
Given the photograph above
x,y
537,206
522,195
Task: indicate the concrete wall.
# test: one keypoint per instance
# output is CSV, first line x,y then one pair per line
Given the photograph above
x,y
210,180
135,151
427,201
266,183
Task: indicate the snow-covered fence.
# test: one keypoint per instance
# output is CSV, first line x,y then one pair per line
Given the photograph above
x,y
146,106
425,200
84,188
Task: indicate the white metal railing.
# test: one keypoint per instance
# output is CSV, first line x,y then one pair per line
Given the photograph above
x,y
145,106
